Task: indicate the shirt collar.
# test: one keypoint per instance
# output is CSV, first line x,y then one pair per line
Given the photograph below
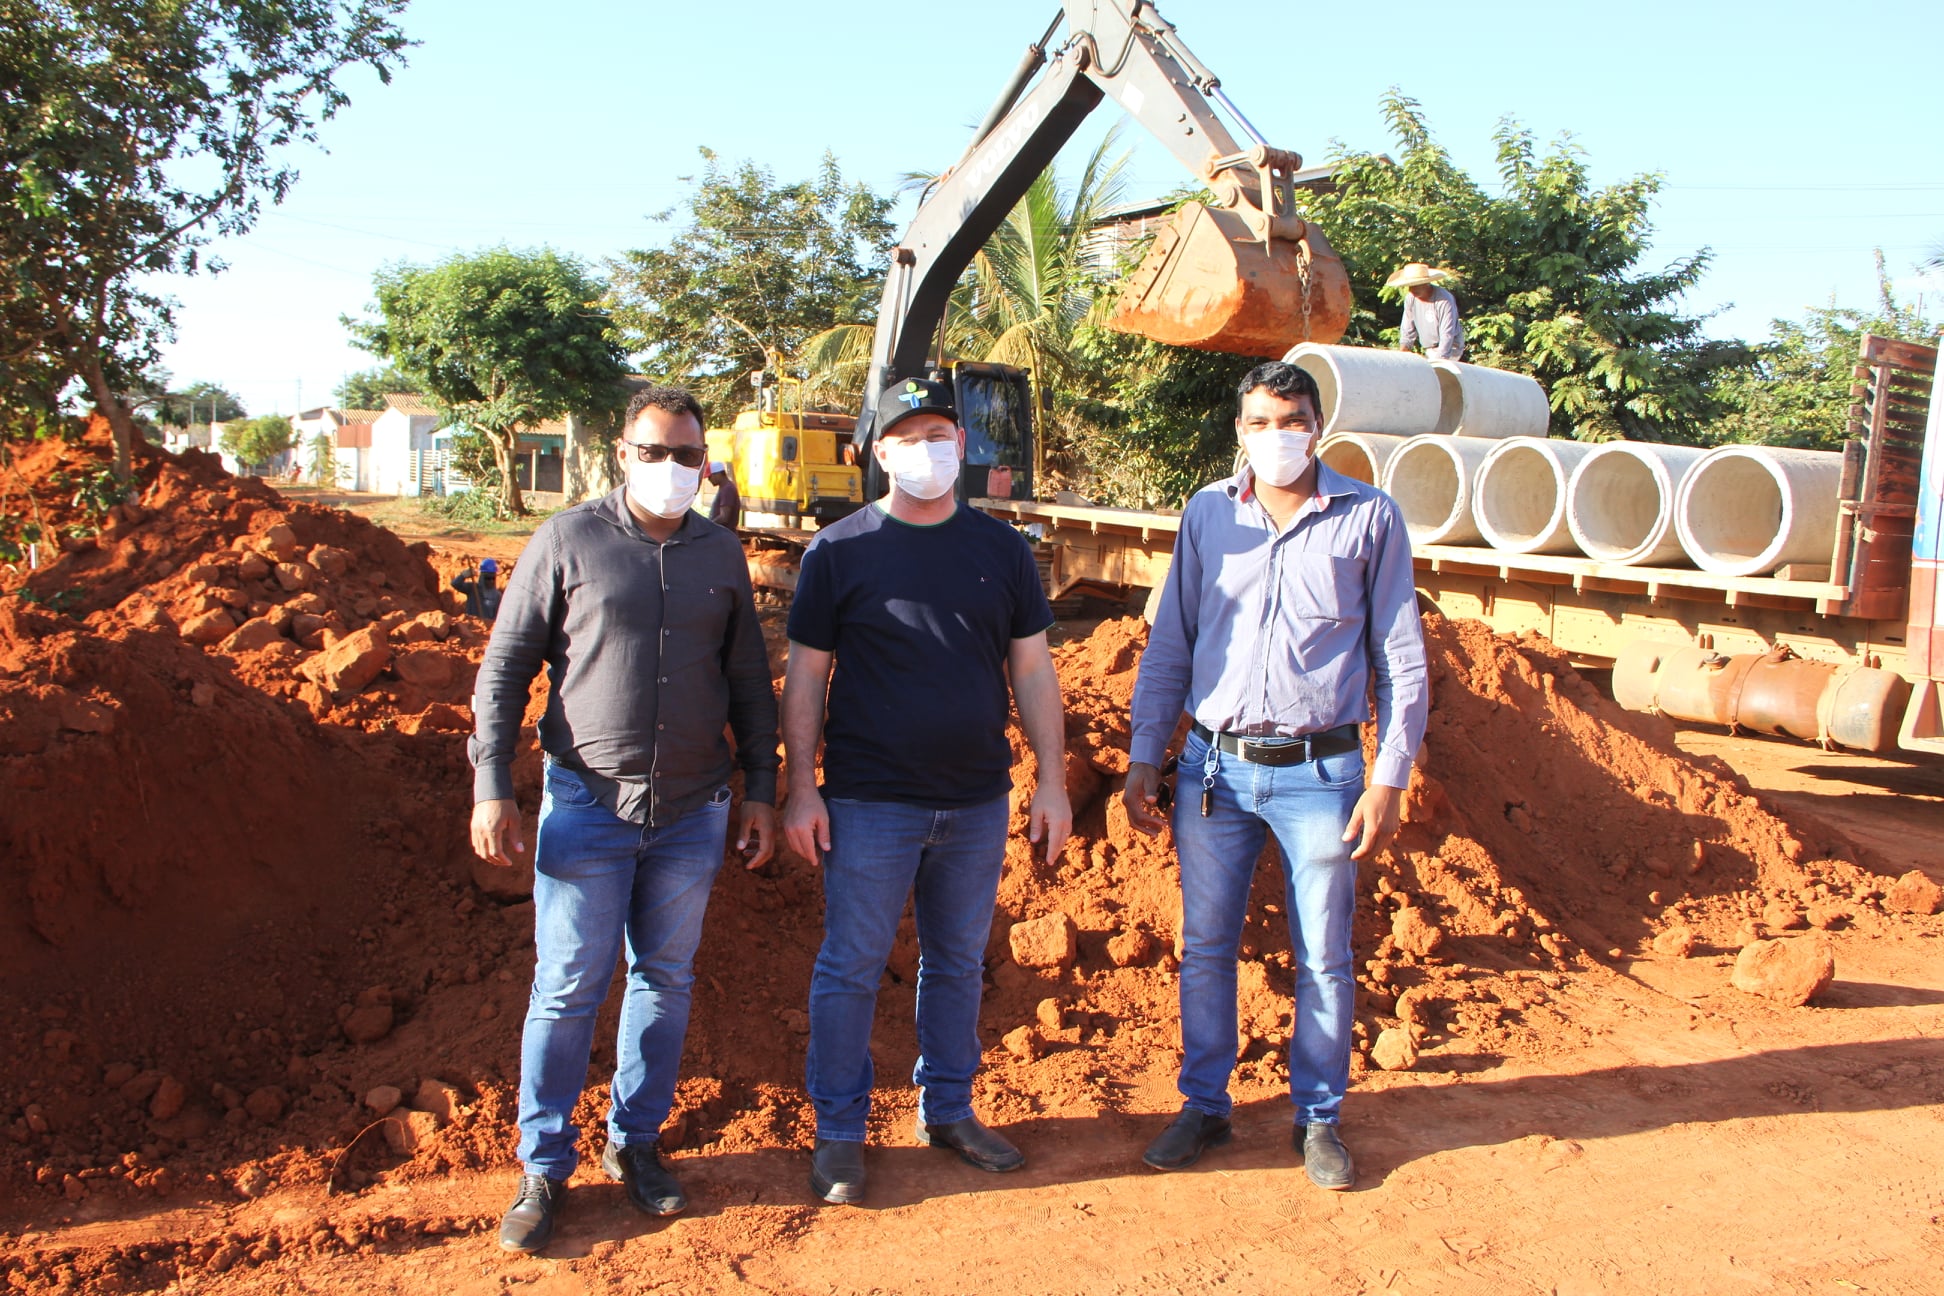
x,y
613,508
1330,485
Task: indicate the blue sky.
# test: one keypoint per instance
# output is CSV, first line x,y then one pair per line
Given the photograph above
x,y
1794,138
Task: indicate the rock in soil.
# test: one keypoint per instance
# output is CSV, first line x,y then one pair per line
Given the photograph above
x,y
1394,1050
1045,942
1791,971
1675,942
1914,893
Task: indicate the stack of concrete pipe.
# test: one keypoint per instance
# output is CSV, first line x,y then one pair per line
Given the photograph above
x,y
1464,452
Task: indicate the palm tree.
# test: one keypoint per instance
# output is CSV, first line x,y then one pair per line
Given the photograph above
x,y
1022,297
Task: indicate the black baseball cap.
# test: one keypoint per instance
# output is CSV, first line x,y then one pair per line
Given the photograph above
x,y
900,400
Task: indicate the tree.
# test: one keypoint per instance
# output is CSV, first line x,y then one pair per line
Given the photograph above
x,y
503,340
367,389
323,459
255,442
1019,303
1548,276
1797,393
1148,424
199,401
758,269
131,133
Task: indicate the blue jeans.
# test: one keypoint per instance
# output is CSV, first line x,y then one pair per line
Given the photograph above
x,y
882,852
597,880
1307,806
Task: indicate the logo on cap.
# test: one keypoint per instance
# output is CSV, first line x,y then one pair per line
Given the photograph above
x,y
913,395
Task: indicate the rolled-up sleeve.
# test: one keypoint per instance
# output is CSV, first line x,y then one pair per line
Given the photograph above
x,y
1395,643
1161,688
522,634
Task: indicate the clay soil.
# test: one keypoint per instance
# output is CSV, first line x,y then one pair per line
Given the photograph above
x,y
238,918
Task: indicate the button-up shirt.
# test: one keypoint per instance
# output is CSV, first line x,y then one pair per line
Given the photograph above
x,y
650,647
1435,324
1269,633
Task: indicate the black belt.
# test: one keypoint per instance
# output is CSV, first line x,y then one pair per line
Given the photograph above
x,y
1283,751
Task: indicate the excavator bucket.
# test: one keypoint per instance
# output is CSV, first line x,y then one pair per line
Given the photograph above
x,y
1209,282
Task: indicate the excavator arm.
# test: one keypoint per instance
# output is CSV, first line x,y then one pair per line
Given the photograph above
x,y
1242,274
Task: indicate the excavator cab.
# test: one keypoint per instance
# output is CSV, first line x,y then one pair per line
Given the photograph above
x,y
995,406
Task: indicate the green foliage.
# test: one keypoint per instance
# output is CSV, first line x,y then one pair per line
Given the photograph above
x,y
758,269
367,389
257,441
502,340
1148,424
1549,282
1797,393
480,504
199,402
94,493
131,133
1033,284
1021,302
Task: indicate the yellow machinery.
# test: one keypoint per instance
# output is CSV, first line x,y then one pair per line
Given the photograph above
x,y
790,466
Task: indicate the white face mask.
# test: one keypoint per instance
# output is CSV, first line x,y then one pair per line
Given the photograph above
x,y
665,489
923,469
1279,458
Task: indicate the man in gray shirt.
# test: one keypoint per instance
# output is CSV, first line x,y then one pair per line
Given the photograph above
x,y
1430,313
1289,604
640,609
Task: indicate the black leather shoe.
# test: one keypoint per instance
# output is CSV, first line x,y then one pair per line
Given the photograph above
x,y
837,1171
528,1224
977,1145
650,1187
1325,1160
1180,1145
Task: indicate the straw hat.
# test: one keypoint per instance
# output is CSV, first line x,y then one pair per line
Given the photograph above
x,y
1418,273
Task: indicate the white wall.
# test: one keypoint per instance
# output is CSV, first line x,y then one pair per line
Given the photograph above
x,y
394,438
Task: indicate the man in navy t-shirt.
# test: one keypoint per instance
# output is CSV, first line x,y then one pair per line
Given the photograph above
x,y
927,610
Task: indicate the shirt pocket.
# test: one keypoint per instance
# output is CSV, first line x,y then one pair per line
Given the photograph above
x,y
1322,587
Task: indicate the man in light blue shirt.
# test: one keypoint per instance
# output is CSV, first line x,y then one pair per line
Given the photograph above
x,y
1289,607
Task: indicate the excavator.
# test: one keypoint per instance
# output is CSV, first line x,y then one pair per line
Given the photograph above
x,y
1241,272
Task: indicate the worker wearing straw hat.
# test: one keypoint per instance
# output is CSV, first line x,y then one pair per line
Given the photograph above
x,y
1430,312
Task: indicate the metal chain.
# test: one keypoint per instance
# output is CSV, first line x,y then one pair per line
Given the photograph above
x,y
1303,277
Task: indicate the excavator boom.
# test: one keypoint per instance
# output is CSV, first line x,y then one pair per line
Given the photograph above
x,y
1242,273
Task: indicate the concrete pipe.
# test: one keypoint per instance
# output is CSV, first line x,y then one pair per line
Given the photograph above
x,y
1479,402
1359,455
1775,692
1365,389
1620,502
1519,495
1746,510
1431,477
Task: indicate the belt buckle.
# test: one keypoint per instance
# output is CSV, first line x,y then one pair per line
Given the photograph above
x,y
1298,751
